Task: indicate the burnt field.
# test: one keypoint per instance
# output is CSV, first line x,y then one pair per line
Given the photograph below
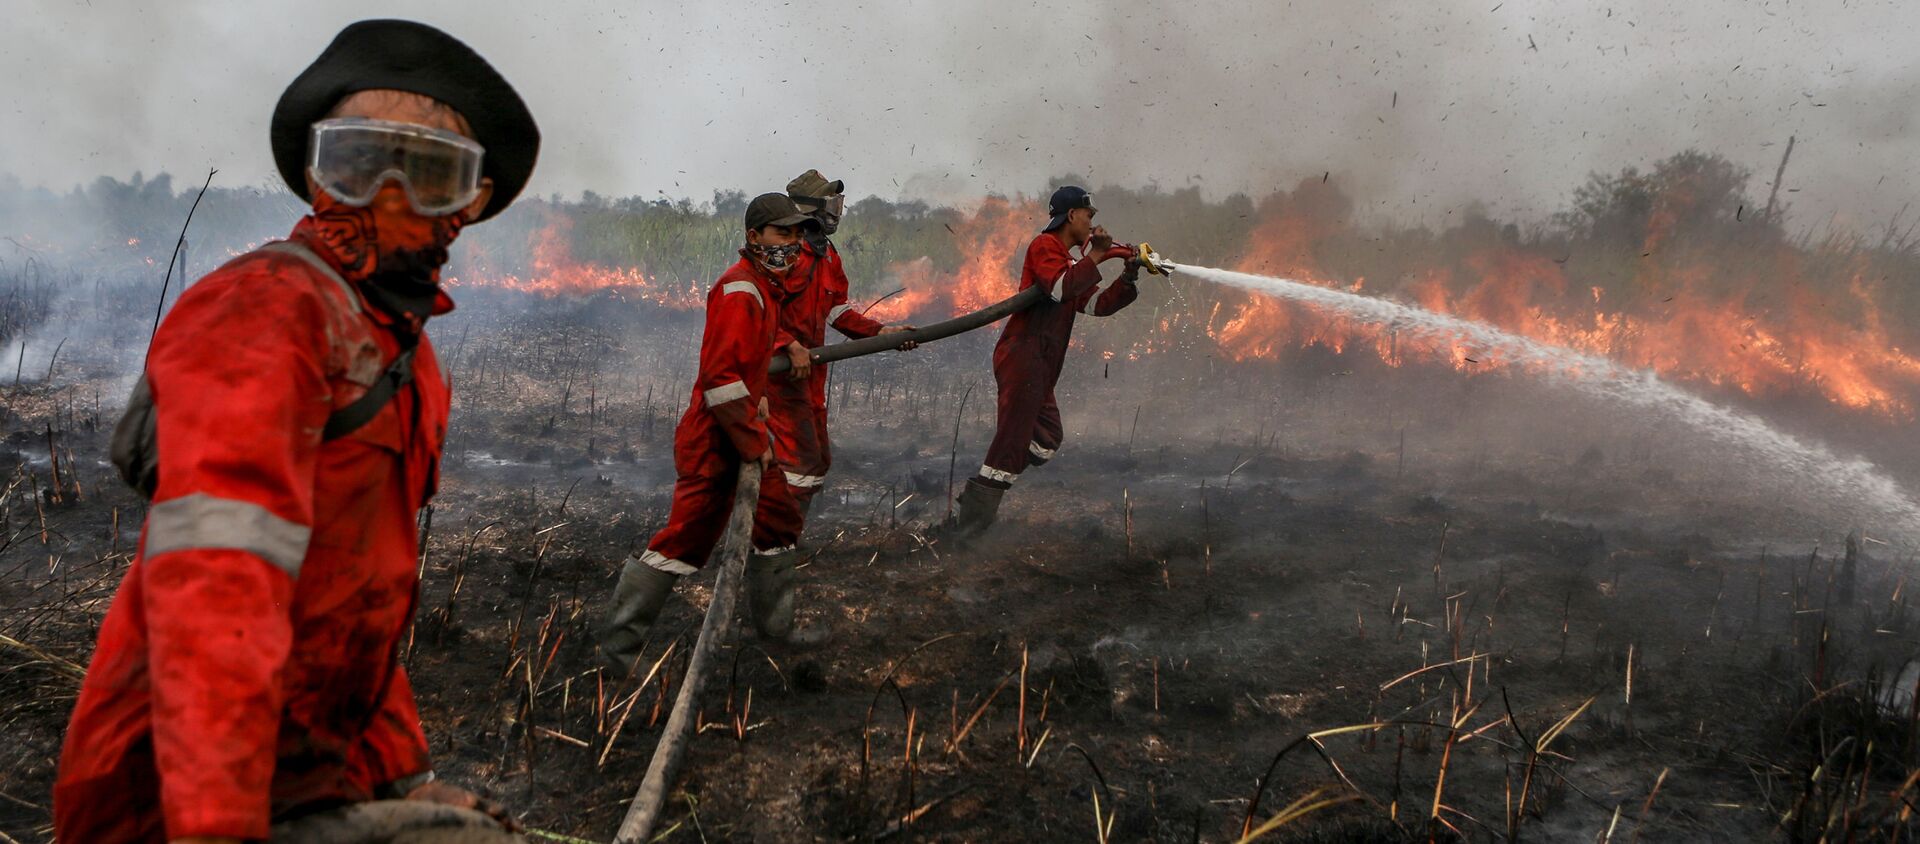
x,y
1314,599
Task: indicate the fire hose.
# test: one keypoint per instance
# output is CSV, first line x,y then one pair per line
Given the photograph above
x,y
924,334
1150,261
644,813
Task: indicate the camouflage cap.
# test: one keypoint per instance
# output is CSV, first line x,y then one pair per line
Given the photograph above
x,y
812,184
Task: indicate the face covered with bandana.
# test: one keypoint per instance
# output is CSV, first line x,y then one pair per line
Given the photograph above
x,y
394,176
774,248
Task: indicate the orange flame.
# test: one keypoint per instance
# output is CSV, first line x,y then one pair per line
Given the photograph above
x,y
1689,317
553,271
992,243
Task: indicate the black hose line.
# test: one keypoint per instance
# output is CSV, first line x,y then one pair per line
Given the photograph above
x,y
924,334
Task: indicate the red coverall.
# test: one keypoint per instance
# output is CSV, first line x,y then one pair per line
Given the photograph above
x,y
798,409
722,428
247,668
1033,348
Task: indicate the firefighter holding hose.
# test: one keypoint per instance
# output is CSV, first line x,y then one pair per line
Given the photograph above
x,y
1033,349
725,426
817,299
246,683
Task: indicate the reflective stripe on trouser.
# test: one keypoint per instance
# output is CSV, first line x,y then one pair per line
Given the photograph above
x,y
800,440
200,521
1029,424
702,499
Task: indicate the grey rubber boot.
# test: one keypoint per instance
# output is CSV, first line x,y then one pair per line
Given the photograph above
x,y
979,507
637,600
770,585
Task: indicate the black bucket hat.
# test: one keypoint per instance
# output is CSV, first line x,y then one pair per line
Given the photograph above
x,y
409,56
1064,200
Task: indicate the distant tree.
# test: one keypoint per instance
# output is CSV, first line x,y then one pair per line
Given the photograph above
x,y
871,209
1692,192
729,202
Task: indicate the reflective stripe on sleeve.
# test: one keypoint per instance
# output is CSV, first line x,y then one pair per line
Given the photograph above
x,y
1093,302
201,521
1059,290
1041,451
837,312
655,559
747,287
730,391
805,480
993,474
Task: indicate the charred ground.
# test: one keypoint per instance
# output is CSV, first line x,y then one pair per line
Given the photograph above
x,y
1558,623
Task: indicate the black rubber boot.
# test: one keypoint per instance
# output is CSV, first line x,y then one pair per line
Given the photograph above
x,y
770,587
637,600
978,506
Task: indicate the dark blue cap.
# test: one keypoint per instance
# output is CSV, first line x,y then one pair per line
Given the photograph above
x,y
1067,198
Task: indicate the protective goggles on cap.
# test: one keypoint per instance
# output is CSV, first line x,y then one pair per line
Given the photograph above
x,y
351,157
832,205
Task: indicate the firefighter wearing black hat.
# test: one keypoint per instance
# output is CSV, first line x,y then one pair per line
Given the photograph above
x,y
1033,348
245,684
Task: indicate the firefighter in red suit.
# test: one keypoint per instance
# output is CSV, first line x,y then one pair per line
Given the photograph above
x,y
724,426
817,299
813,296
246,678
1033,348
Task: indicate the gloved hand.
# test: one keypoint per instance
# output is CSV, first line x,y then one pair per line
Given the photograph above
x,y
1099,241
637,600
1131,272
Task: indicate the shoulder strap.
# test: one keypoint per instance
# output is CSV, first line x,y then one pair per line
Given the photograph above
x,y
398,374
348,419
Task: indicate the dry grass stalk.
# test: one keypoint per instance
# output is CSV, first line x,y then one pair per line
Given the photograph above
x,y
1647,807
1020,729
631,699
975,718
1309,803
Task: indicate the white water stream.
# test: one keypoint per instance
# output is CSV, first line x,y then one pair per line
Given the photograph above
x,y
1847,488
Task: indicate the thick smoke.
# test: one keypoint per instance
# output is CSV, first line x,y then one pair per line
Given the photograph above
x,y
1423,108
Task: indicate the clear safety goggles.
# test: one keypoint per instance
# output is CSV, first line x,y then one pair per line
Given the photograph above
x,y
351,157
833,205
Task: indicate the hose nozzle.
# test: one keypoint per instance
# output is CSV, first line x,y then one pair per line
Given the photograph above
x,y
1153,262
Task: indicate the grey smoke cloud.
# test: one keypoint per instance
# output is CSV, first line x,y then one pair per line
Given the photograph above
x,y
1420,108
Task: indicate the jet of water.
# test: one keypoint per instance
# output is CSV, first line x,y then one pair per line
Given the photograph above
x,y
1849,487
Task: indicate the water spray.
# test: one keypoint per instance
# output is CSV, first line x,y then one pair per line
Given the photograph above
x,y
1850,487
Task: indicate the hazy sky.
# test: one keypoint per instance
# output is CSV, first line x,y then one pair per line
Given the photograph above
x,y
1419,106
